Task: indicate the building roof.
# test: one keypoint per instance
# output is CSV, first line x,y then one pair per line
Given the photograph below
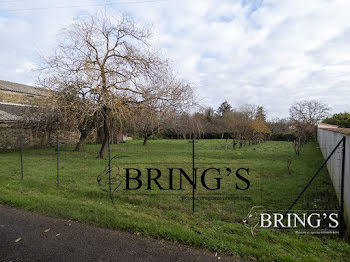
x,y
21,88
12,112
7,117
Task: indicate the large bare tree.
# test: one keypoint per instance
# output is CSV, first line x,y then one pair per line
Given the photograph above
x,y
308,111
106,61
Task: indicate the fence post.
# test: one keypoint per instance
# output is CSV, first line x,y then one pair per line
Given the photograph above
x,y
58,163
342,222
193,175
21,150
109,170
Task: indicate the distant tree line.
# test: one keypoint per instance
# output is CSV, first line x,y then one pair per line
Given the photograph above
x,y
243,126
248,124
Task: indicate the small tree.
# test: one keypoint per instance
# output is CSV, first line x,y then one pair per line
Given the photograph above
x,y
181,124
168,98
249,111
260,129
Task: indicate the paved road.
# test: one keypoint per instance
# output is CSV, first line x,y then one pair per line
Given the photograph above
x,y
71,241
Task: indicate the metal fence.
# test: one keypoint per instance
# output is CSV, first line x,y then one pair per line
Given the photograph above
x,y
265,189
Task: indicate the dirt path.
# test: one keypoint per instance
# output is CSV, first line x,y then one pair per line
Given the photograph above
x,y
71,241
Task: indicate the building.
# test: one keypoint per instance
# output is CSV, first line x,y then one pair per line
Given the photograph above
x,y
17,100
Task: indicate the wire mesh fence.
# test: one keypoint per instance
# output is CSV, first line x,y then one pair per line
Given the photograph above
x,y
209,178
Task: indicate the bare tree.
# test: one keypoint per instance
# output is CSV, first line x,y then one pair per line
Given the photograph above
x,y
181,124
310,112
169,98
238,126
110,58
304,116
249,111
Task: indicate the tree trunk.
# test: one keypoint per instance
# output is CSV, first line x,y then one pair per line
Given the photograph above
x,y
103,150
85,128
145,140
82,139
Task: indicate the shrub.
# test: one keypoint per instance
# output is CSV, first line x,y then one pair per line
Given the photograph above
x,y
341,120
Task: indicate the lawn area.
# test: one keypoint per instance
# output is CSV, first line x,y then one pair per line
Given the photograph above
x,y
164,214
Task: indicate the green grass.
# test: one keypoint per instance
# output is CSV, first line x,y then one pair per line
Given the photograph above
x,y
216,225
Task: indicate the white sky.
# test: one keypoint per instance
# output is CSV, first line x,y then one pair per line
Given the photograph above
x,y
270,52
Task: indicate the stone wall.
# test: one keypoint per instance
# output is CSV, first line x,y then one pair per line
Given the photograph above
x,y
10,137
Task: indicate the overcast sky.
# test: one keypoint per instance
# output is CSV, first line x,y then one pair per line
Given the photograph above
x,y
271,52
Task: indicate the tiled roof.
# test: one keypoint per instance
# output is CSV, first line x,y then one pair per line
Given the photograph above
x,y
12,112
21,88
7,117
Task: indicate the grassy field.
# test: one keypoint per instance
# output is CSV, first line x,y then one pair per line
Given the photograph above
x,y
164,214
